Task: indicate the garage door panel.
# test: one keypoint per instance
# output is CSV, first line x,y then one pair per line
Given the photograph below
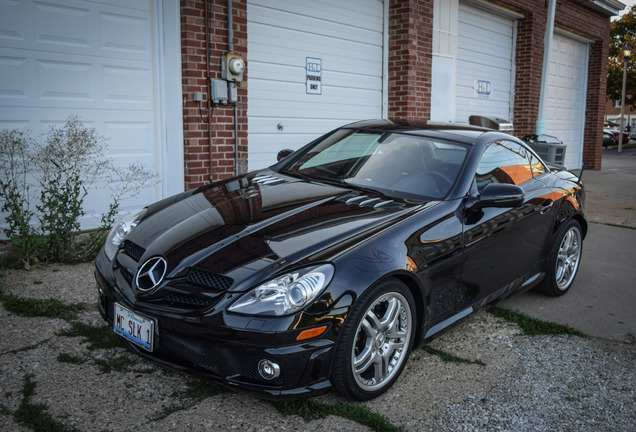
x,y
275,41
316,26
269,71
565,101
352,13
485,52
346,36
89,29
74,81
290,126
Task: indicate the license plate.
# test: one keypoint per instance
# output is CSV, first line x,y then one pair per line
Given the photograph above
x,y
137,329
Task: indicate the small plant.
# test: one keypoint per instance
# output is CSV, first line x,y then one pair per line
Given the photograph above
x,y
15,167
64,169
36,416
69,163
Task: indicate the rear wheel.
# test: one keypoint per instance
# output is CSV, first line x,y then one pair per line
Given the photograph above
x,y
564,260
376,341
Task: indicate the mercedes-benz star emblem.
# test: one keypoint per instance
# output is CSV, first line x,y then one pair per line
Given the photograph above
x,y
151,273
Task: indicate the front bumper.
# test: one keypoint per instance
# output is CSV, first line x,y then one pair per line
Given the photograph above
x,y
224,348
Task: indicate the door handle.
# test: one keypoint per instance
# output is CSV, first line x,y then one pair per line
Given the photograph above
x,y
547,205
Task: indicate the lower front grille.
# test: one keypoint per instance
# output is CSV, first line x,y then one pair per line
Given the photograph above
x,y
193,352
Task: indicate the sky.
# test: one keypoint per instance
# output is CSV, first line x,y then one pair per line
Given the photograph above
x,y
628,4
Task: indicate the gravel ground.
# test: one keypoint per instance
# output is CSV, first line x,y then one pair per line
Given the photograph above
x,y
541,383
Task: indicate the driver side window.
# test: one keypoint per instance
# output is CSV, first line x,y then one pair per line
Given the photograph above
x,y
503,162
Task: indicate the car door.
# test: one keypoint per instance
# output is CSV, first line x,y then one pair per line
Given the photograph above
x,y
503,247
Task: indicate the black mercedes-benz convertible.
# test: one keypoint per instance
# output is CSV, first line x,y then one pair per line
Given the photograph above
x,y
326,269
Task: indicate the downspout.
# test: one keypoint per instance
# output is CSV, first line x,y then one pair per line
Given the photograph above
x,y
547,46
230,48
207,71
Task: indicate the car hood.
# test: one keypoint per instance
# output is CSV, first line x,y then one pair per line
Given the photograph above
x,y
250,227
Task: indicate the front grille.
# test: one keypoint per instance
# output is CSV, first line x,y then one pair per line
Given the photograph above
x,y
209,280
193,352
133,250
126,274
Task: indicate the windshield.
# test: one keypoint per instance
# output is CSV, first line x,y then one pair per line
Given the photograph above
x,y
394,164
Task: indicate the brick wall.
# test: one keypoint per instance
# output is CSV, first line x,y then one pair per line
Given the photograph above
x,y
410,59
209,135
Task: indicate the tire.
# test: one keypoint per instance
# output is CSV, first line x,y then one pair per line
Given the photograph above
x,y
375,342
564,260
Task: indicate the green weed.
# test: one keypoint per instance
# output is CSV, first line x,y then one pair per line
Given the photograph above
x,y
312,410
30,307
36,416
101,337
450,358
533,326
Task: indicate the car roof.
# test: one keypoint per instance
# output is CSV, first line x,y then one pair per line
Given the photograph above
x,y
464,134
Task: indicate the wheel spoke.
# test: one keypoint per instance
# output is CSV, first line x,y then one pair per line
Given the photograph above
x,y
391,316
381,368
372,320
365,359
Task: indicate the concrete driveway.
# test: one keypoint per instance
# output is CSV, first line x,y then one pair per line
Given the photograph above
x,y
603,299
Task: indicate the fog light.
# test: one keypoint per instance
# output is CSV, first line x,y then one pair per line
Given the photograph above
x,y
268,369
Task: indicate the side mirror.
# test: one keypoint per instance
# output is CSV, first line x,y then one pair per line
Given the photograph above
x,y
499,195
283,154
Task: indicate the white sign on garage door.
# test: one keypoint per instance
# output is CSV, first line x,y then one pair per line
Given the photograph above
x,y
484,64
565,102
347,38
85,58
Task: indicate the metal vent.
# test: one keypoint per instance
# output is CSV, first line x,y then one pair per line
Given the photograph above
x,y
365,201
194,352
133,250
267,180
209,280
189,300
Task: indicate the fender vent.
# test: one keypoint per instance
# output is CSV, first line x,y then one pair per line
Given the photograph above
x,y
267,180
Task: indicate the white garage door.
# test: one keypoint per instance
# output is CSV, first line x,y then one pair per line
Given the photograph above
x,y
84,58
484,64
565,102
340,43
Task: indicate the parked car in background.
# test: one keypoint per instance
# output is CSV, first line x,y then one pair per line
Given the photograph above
x,y
609,139
326,269
616,133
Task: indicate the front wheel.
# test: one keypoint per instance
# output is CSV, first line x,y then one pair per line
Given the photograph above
x,y
564,260
375,342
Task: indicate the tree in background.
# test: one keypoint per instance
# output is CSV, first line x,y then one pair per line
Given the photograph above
x,y
623,32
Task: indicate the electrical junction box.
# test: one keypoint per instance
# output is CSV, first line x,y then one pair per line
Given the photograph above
x,y
219,90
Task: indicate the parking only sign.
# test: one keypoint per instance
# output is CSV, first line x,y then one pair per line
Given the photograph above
x,y
314,75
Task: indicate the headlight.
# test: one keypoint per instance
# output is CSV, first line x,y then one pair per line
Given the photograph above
x,y
286,294
119,231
